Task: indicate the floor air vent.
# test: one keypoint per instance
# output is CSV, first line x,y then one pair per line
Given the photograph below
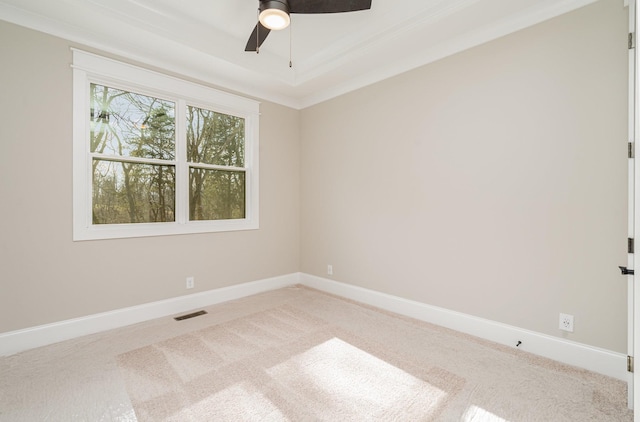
x,y
191,315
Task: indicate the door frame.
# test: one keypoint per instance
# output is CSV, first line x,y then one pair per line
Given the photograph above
x,y
633,260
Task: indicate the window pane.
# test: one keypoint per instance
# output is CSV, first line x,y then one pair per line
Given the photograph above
x,y
214,138
129,124
216,194
132,193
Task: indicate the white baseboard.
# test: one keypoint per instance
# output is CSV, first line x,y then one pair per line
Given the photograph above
x,y
572,353
17,341
591,358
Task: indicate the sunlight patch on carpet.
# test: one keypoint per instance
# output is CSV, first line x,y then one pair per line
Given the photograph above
x,y
478,414
345,379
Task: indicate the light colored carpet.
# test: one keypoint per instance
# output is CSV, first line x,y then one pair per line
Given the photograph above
x,y
316,357
300,355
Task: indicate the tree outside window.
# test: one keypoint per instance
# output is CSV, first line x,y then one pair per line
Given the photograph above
x,y
162,160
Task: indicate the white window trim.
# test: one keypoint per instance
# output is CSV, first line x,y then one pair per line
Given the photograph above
x,y
88,68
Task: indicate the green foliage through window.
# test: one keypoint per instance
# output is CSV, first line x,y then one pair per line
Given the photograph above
x,y
133,143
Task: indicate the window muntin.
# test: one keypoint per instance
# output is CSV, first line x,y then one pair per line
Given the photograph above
x,y
155,155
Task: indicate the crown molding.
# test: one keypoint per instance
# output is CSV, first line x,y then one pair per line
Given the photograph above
x,y
360,61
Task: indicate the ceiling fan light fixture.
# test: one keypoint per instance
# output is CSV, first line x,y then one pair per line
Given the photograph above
x,y
274,14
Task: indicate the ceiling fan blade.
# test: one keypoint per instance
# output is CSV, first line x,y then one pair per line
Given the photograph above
x,y
257,37
328,6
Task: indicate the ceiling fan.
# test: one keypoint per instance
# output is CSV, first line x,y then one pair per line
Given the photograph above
x,y
274,14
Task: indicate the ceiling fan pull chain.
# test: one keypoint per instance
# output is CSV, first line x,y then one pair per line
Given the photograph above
x,y
258,32
290,36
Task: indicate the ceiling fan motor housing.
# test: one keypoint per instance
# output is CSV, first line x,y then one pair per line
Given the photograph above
x,y
274,4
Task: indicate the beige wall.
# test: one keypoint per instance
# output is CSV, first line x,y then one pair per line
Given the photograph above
x,y
45,276
492,182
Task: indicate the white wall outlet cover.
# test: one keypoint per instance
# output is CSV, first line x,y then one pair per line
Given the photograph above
x,y
190,282
566,322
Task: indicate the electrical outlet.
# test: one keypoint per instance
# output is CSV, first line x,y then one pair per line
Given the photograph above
x,y
330,269
190,282
566,322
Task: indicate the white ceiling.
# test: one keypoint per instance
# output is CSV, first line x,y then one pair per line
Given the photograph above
x,y
331,53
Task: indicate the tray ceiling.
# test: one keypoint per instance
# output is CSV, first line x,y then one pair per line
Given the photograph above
x,y
331,53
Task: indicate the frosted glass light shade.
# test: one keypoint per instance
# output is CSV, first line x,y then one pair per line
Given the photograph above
x,y
274,19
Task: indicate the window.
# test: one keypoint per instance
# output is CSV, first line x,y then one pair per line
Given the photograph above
x,y
156,155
